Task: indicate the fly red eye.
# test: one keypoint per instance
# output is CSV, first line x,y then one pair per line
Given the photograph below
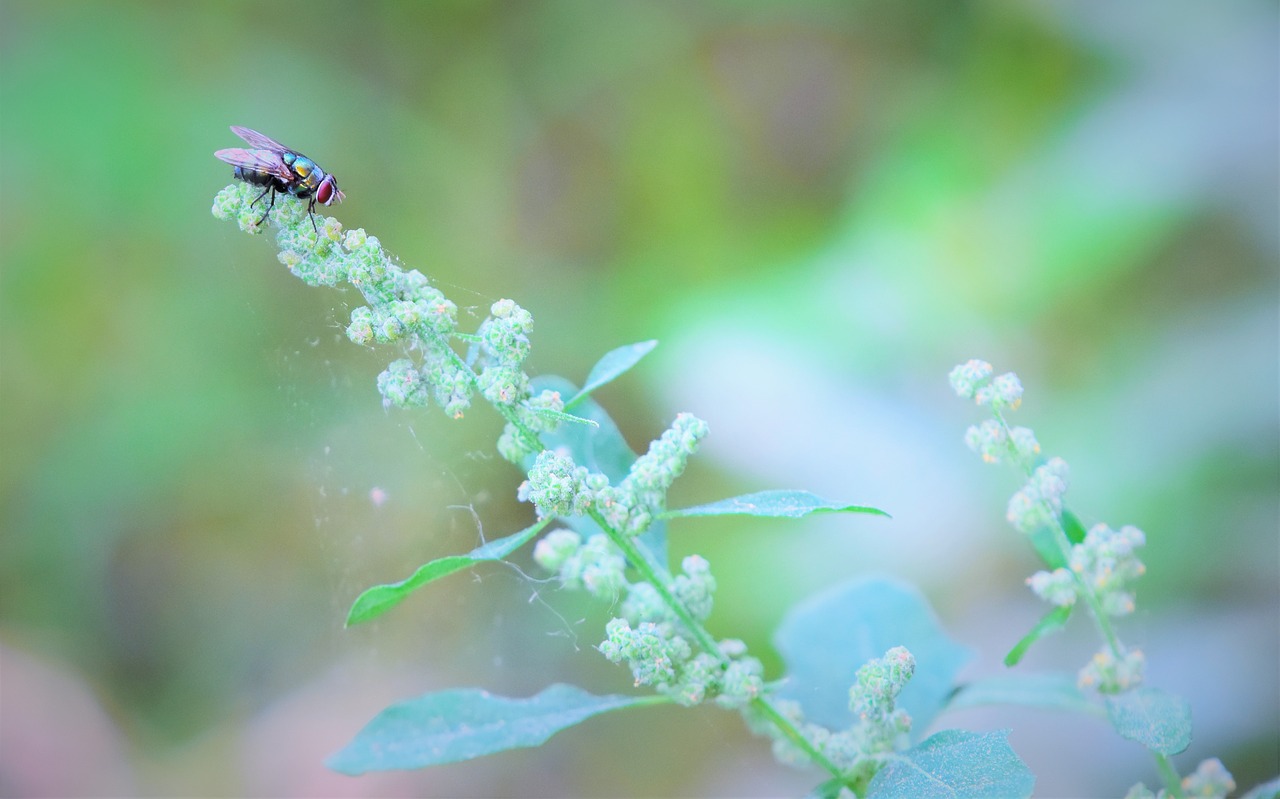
x,y
324,193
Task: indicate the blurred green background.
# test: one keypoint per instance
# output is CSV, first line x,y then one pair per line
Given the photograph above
x,y
817,207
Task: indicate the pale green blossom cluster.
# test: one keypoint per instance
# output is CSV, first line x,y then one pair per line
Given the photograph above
x,y
649,637
559,487
878,728
1210,780
1105,562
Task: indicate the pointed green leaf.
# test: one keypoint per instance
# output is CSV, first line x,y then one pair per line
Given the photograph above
x,y
778,504
955,764
1045,691
1050,623
451,726
380,598
1072,527
825,639
610,367
560,416
1157,720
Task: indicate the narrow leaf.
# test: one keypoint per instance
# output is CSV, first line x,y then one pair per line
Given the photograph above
x,y
380,598
1044,691
955,764
462,724
560,416
1157,720
1072,526
778,504
825,639
1052,621
611,366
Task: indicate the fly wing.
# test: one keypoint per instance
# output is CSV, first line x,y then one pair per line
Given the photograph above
x,y
259,141
257,160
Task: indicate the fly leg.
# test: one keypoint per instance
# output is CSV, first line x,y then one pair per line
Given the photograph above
x,y
311,215
270,205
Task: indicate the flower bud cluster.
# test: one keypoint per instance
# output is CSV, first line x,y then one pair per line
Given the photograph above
x,y
504,345
1104,564
862,749
558,487
515,447
597,566
1039,501
993,443
659,656
1110,675
402,305
1210,780
642,495
973,380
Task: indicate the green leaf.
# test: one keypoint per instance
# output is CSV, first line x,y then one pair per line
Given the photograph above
x,y
779,504
600,449
1157,720
1050,623
462,724
1072,527
1044,691
560,416
611,366
955,764
825,639
380,598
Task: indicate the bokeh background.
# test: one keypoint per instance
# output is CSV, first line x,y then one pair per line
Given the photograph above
x,y
817,207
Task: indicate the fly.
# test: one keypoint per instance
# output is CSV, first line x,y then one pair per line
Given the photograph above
x,y
279,169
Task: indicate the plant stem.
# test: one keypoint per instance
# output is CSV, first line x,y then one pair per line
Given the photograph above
x,y
1170,776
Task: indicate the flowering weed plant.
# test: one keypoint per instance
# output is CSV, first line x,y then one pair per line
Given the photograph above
x,y
867,666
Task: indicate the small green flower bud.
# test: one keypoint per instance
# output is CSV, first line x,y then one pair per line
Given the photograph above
x,y
554,548
878,683
988,440
1111,676
354,240
502,385
968,377
1141,791
512,446
1057,587
1024,443
556,486
360,330
695,587
644,603
1210,780
402,386
742,683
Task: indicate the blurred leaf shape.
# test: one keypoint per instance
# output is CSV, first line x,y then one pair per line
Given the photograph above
x,y
955,764
778,503
1046,691
461,724
1051,622
1157,720
612,365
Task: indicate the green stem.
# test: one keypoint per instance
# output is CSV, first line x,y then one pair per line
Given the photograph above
x,y
1170,776
1100,618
